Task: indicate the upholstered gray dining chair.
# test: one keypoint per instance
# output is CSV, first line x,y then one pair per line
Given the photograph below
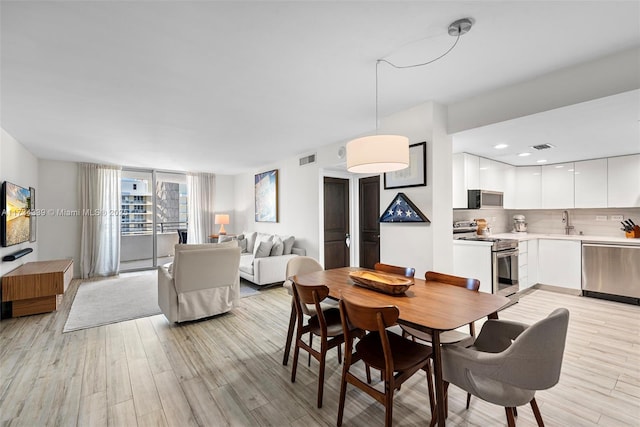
x,y
509,361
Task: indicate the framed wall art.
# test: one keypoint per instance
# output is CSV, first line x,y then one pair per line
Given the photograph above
x,y
266,191
401,209
413,176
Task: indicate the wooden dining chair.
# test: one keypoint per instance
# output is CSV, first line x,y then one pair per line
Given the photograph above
x,y
447,337
396,357
388,268
325,323
394,269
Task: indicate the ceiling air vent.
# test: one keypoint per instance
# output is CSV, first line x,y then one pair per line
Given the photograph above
x,y
308,159
542,146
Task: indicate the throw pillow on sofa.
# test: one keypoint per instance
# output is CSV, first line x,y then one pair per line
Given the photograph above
x,y
288,244
225,238
278,247
243,245
264,249
261,237
251,240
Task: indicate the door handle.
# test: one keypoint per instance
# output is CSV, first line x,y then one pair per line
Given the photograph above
x,y
347,240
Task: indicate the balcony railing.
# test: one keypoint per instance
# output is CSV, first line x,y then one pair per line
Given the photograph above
x,y
142,227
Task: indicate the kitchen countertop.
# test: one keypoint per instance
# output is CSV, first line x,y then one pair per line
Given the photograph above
x,y
532,236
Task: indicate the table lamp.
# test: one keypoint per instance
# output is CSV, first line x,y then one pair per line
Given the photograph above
x,y
222,219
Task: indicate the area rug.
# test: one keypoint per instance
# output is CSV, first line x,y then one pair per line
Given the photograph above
x,y
101,302
126,297
248,289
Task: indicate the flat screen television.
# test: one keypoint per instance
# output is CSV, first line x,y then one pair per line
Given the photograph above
x,y
16,220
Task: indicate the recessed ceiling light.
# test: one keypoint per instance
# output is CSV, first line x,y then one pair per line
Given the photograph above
x,y
542,161
524,154
500,146
559,166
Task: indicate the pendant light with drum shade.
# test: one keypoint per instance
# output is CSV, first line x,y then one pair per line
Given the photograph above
x,y
378,153
389,153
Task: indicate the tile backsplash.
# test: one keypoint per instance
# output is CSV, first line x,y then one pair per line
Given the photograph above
x,y
549,221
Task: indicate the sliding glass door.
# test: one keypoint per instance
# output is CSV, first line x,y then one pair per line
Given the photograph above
x,y
153,212
171,213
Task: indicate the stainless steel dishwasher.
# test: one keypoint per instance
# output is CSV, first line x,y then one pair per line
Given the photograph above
x,y
611,271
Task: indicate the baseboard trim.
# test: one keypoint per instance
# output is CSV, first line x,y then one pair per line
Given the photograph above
x,y
557,289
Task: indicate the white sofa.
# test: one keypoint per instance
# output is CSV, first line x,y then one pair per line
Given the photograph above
x,y
202,281
267,263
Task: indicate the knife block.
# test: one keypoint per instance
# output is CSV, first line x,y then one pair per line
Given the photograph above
x,y
633,234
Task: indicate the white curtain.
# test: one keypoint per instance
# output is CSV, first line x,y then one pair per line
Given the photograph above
x,y
100,204
201,189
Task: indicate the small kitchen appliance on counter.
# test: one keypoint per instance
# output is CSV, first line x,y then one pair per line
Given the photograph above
x,y
483,227
519,224
464,228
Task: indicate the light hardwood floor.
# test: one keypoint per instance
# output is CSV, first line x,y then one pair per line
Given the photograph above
x,y
227,371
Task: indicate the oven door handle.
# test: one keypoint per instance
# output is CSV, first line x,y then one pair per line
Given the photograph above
x,y
504,254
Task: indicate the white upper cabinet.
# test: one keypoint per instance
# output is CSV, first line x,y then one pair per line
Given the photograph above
x,y
465,176
529,187
557,186
510,188
492,175
623,188
591,184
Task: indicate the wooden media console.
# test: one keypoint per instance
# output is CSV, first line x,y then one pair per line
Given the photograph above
x,y
34,287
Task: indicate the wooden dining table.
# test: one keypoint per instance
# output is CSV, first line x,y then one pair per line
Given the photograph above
x,y
429,306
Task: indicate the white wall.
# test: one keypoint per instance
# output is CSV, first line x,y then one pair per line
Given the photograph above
x,y
20,167
58,231
297,203
422,246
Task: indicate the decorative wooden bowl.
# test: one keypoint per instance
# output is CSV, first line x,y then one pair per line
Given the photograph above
x,y
387,283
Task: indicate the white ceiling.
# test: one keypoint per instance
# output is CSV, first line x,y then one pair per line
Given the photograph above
x,y
603,127
230,86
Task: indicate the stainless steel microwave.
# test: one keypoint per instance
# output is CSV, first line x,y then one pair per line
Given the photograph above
x,y
484,199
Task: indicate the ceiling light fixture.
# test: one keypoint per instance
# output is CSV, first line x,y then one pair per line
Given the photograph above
x,y
541,161
524,154
388,153
500,146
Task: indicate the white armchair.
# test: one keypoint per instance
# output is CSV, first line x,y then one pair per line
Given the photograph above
x,y
202,281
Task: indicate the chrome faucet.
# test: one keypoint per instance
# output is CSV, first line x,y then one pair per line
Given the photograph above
x,y
565,220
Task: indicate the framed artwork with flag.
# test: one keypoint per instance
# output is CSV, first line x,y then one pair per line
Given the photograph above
x,y
402,209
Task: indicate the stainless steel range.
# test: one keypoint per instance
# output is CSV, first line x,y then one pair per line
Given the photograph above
x,y
504,265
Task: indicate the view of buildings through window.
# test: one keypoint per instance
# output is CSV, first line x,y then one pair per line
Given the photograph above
x,y
137,205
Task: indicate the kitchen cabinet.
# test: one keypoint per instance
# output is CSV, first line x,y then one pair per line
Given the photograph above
x,y
529,187
560,263
591,183
509,186
532,261
466,169
623,187
474,260
492,175
557,186
523,267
